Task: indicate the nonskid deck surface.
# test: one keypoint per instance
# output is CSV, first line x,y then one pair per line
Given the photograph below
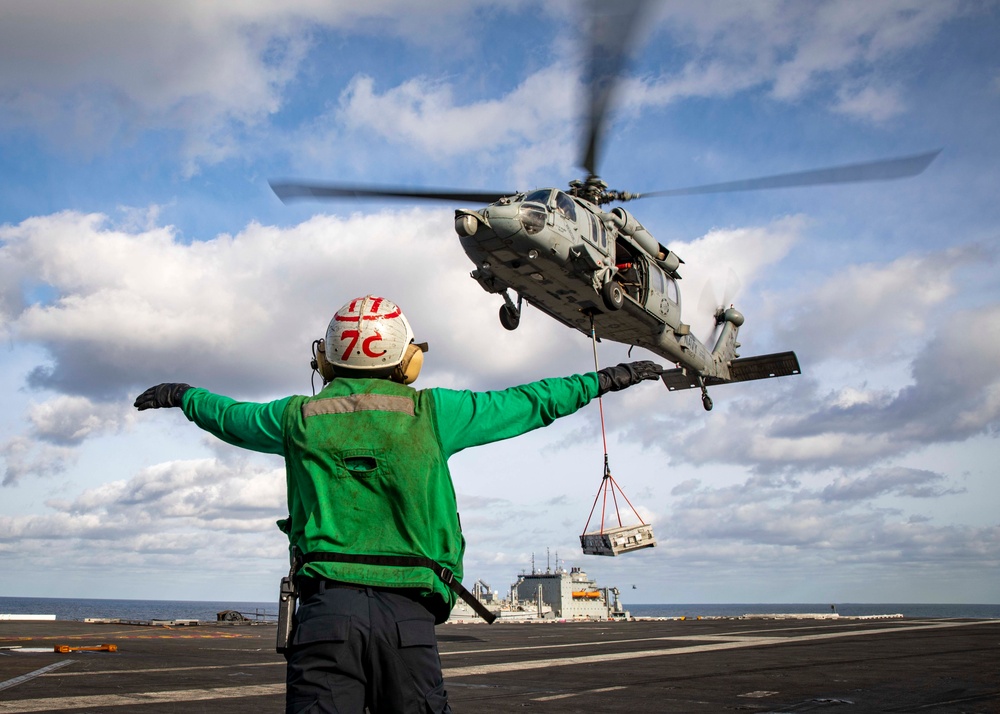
x,y
717,665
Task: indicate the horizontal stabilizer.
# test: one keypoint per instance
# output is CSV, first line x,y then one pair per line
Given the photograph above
x,y
780,364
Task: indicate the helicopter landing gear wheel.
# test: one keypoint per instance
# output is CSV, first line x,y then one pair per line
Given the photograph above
x,y
509,317
613,295
706,401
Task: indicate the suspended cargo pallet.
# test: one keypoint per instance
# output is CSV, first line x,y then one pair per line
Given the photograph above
x,y
615,541
624,538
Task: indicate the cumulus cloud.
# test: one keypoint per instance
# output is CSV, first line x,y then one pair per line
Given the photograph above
x,y
875,306
213,72
792,50
719,264
68,420
237,312
27,457
95,74
124,308
202,514
864,319
870,102
770,520
427,114
55,427
916,483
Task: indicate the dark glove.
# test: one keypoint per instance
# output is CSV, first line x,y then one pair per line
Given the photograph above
x,y
162,395
611,379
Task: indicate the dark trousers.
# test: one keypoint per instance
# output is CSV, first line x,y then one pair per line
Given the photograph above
x,y
356,647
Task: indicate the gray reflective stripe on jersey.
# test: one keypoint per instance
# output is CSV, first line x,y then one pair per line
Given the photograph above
x,y
358,403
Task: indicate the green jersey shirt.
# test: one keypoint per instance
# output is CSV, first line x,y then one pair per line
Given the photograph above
x,y
366,465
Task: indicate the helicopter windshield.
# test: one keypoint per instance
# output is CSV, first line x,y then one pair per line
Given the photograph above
x,y
565,205
540,196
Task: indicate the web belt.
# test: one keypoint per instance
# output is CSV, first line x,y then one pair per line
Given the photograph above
x,y
406,561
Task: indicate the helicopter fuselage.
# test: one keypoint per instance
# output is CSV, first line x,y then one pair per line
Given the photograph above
x,y
575,262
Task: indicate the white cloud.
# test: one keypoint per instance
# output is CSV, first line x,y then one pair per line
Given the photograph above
x,y
776,520
55,427
25,457
87,75
69,420
426,113
791,49
724,261
878,105
196,516
789,426
873,308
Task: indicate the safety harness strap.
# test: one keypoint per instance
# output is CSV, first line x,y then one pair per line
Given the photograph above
x,y
406,561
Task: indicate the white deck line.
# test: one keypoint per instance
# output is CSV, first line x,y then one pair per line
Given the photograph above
x,y
13,682
696,649
101,702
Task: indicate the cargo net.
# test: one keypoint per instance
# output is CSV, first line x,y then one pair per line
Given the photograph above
x,y
620,539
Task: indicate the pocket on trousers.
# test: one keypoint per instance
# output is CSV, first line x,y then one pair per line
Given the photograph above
x,y
437,701
324,628
416,633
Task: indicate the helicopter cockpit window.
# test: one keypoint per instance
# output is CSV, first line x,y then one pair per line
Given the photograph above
x,y
565,206
540,196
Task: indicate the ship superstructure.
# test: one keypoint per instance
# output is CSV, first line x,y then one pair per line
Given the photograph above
x,y
547,595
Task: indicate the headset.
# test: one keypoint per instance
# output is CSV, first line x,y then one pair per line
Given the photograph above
x,y
406,372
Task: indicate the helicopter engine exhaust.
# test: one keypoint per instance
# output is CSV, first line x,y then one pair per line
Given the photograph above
x,y
628,225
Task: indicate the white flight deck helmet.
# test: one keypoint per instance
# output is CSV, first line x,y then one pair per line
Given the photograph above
x,y
371,336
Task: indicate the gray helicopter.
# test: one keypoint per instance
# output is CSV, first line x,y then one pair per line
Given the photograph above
x,y
601,272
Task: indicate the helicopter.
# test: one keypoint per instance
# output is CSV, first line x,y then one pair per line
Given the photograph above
x,y
599,271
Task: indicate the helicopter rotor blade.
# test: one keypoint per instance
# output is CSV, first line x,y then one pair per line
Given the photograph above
x,y
611,26
884,170
291,191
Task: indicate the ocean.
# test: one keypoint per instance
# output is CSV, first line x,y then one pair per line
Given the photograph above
x,y
79,609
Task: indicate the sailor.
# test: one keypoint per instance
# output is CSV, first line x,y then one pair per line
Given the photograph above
x,y
372,508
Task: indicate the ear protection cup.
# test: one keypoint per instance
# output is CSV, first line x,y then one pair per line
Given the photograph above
x,y
409,369
319,362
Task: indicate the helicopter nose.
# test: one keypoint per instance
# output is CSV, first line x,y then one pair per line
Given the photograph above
x,y
503,221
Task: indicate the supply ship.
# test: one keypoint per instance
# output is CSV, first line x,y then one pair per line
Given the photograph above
x,y
546,595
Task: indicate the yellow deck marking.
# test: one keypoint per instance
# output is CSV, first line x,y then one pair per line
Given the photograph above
x,y
154,670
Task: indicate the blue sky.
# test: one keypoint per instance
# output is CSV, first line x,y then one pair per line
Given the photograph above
x,y
140,243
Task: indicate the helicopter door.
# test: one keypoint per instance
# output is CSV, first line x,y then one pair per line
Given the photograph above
x,y
597,236
662,297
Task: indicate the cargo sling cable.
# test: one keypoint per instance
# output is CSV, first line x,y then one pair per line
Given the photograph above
x,y
623,539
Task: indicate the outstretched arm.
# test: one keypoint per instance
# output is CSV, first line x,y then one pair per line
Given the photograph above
x,y
249,425
467,418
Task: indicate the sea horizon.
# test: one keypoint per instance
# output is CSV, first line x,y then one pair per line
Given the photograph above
x,y
207,610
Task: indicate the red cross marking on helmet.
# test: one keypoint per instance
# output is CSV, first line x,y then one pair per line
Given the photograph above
x,y
376,305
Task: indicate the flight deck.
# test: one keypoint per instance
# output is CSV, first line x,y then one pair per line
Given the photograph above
x,y
704,665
